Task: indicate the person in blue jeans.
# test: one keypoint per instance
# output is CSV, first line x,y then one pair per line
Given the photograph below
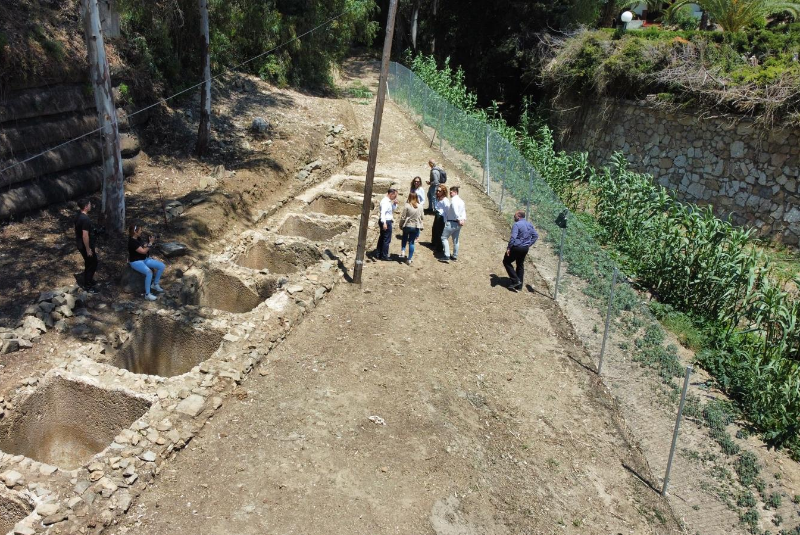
x,y
455,219
139,258
411,223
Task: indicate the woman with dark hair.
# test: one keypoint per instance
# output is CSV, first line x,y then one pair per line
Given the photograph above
x,y
139,258
411,223
416,187
440,207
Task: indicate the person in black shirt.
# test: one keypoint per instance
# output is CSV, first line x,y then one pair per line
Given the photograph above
x,y
85,241
139,258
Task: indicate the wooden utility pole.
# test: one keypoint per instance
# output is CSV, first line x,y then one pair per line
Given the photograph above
x,y
113,199
205,94
373,144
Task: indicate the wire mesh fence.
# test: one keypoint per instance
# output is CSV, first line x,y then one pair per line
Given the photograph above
x,y
624,340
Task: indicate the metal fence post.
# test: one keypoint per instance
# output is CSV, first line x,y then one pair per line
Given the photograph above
x,y
528,207
608,321
505,178
558,268
441,113
424,104
486,164
677,429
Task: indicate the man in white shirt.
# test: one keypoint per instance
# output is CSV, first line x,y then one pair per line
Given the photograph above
x,y
455,219
386,218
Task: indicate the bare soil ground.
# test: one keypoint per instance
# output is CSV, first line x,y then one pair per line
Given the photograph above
x,y
485,417
495,421
38,252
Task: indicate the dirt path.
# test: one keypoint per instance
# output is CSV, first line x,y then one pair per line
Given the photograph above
x,y
488,422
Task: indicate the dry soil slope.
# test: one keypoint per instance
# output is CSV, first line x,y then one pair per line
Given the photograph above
x,y
492,425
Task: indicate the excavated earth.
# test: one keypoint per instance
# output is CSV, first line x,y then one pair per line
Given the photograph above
x,y
266,393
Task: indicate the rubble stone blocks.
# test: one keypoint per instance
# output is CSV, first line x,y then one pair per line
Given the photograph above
x,y
91,478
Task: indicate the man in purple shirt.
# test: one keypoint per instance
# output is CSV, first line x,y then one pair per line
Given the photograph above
x,y
523,236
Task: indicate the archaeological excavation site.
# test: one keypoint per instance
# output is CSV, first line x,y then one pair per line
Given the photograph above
x,y
80,442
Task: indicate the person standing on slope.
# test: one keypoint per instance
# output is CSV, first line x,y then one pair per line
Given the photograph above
x,y
416,187
437,176
85,242
523,236
385,220
440,207
456,218
411,223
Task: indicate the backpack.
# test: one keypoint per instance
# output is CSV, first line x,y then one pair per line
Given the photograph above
x,y
442,174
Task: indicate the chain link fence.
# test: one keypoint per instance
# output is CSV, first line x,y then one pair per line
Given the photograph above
x,y
625,342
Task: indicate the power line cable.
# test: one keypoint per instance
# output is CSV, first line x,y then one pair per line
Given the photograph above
x,y
165,99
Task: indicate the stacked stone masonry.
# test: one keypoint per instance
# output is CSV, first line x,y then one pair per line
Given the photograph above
x,y
745,172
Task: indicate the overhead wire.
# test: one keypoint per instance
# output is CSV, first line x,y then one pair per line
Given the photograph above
x,y
179,93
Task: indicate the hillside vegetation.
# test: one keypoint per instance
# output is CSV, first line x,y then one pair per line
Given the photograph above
x,y
711,274
756,73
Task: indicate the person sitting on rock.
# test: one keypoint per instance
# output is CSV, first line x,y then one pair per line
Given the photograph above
x,y
139,258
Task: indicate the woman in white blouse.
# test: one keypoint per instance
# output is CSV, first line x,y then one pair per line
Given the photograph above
x,y
416,187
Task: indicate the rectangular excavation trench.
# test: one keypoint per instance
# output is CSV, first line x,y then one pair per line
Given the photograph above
x,y
313,229
279,258
64,423
225,291
333,206
12,510
379,187
167,347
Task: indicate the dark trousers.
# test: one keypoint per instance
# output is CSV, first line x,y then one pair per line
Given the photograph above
x,y
431,196
385,238
517,255
89,266
436,235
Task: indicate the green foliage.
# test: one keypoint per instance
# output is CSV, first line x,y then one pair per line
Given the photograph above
x,y
165,37
747,468
682,18
125,96
773,501
735,15
718,284
748,68
690,332
750,519
746,499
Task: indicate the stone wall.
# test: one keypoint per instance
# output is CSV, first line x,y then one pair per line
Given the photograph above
x,y
746,173
34,120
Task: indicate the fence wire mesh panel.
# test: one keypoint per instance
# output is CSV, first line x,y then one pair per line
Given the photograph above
x,y
643,370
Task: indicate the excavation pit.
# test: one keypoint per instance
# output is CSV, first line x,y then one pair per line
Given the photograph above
x,y
333,206
379,187
313,229
279,258
65,423
218,289
167,347
12,510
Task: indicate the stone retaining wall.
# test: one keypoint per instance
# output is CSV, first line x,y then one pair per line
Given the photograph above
x,y
33,120
746,173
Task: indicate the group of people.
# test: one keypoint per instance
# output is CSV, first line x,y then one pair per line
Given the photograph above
x,y
448,209
138,253
450,215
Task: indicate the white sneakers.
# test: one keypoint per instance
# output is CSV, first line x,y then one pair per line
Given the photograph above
x,y
402,254
157,288
150,297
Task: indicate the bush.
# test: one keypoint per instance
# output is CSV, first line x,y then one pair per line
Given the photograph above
x,y
683,19
653,61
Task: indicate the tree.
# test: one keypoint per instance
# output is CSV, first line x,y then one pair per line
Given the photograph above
x,y
735,15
